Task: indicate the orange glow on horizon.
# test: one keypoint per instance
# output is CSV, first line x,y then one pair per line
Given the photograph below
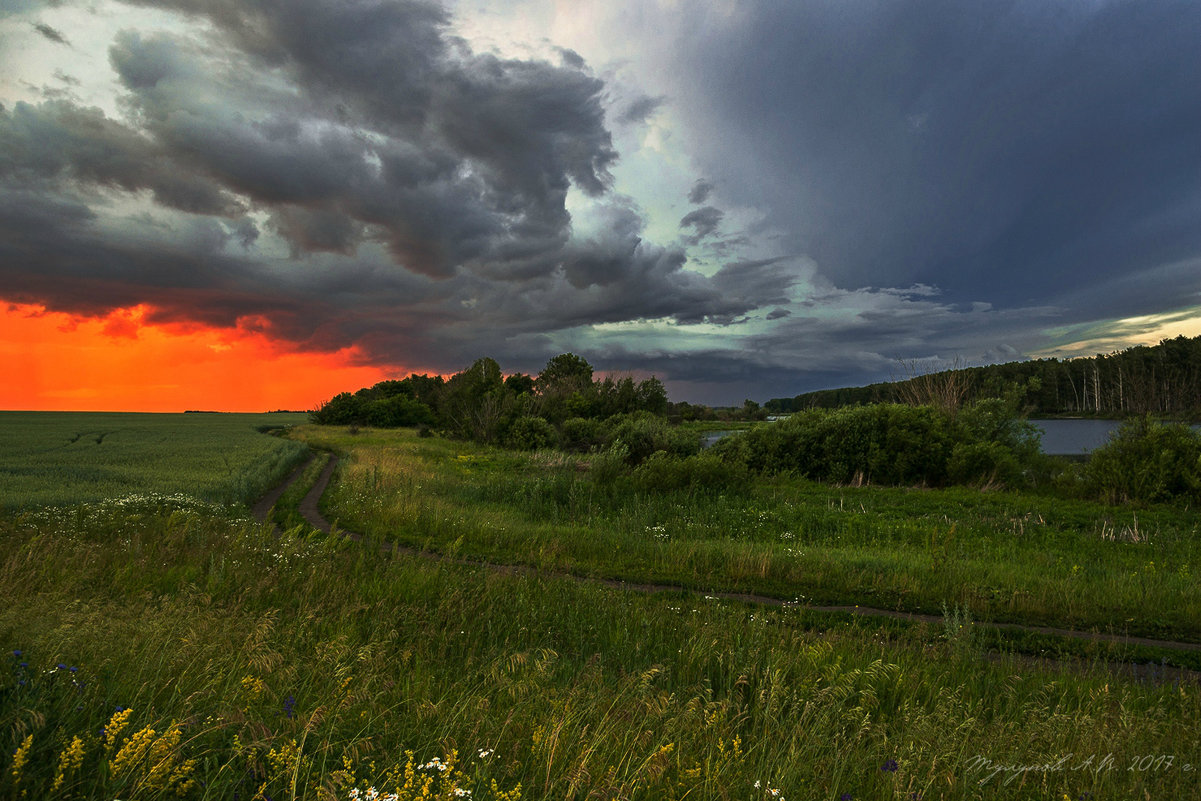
x,y
59,362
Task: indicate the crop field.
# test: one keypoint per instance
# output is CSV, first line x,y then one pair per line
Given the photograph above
x,y
177,649
63,458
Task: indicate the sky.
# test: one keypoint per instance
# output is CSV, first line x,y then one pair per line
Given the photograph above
x,y
256,204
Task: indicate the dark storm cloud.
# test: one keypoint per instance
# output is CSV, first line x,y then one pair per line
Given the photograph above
x,y
465,159
700,192
702,221
641,110
59,140
50,33
571,58
1009,150
420,187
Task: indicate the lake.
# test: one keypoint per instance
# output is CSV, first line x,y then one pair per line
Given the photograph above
x,y
1074,437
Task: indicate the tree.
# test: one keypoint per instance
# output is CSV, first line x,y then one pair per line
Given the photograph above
x,y
564,374
565,389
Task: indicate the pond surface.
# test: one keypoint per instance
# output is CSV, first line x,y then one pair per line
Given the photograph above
x,y
709,437
1074,437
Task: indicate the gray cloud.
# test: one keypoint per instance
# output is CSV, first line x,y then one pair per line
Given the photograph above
x,y
1004,150
703,222
424,215
58,140
641,109
50,33
352,173
700,192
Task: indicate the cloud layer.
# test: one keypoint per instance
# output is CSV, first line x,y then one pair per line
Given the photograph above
x,y
862,184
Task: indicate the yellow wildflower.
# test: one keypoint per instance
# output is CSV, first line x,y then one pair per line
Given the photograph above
x,y
68,762
21,757
116,724
132,753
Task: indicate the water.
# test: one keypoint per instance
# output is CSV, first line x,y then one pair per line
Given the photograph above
x,y
710,437
1074,437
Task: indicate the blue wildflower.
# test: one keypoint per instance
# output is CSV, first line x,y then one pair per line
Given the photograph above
x,y
289,705
17,653
845,797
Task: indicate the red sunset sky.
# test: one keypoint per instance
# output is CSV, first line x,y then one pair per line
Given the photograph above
x,y
58,362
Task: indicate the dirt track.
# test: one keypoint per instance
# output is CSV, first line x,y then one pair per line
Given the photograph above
x,y
310,511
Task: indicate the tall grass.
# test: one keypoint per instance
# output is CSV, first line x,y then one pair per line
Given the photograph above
x,y
1002,556
296,667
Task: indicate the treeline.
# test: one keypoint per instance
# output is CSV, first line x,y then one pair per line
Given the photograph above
x,y
562,405
1163,379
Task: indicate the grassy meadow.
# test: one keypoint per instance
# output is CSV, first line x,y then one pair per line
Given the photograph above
x,y
60,458
176,649
997,556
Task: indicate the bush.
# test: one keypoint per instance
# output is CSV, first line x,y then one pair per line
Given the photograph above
x,y
396,411
643,433
987,444
662,472
1146,462
882,443
608,465
530,433
581,434
984,464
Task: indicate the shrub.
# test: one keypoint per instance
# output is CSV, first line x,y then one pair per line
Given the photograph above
x,y
985,444
984,464
530,433
704,472
581,434
609,464
1146,462
882,443
643,433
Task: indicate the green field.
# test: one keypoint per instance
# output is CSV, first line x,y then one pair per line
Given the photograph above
x,y
1001,556
63,458
171,649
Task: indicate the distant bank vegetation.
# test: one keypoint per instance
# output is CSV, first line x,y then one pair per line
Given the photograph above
x,y
942,435
1163,379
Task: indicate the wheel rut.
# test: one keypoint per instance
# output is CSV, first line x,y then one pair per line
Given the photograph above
x,y
310,511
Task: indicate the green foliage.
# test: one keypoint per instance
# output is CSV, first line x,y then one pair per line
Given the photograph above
x,y
1013,556
986,443
703,472
480,404
530,433
388,404
1147,462
643,434
1162,379
882,443
581,434
985,464
609,464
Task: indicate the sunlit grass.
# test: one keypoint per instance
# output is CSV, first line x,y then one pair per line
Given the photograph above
x,y
312,667
1003,556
